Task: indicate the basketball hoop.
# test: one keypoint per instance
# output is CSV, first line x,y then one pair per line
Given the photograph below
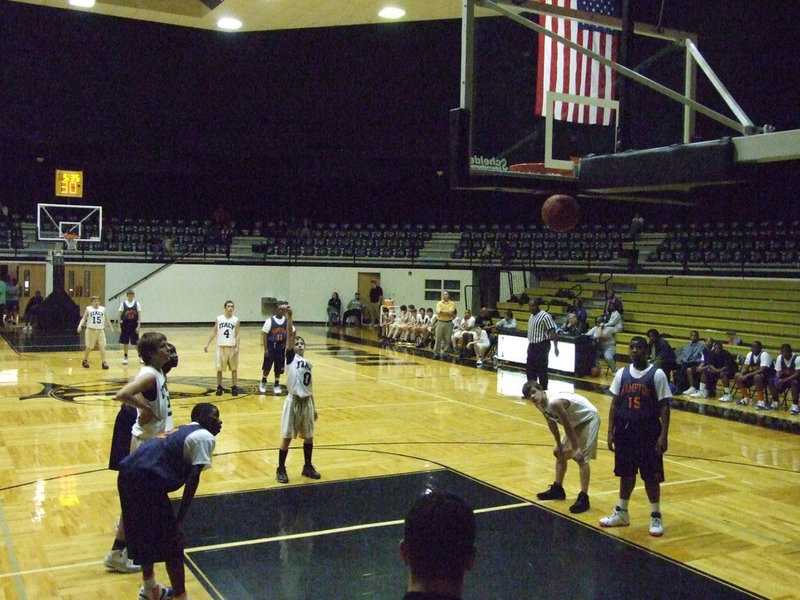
x,y
71,240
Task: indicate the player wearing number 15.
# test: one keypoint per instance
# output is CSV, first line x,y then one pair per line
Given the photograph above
x,y
226,330
638,425
96,320
299,411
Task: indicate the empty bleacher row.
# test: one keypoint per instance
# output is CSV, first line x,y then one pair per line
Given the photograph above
x,y
730,243
527,243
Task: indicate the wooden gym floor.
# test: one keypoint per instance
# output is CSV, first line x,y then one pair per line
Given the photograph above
x,y
393,422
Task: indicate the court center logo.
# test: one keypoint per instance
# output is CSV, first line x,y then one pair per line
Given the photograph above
x,y
194,389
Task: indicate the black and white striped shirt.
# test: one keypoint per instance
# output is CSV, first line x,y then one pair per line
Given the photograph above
x,y
539,327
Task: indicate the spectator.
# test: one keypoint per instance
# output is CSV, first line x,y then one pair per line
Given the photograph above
x,y
660,353
717,364
375,302
484,319
355,309
605,339
438,546
580,312
688,358
787,377
612,303
507,324
480,343
334,309
756,371
13,291
463,331
571,327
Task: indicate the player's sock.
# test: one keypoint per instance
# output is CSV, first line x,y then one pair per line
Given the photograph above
x,y
655,507
702,387
623,504
307,450
118,544
282,454
726,390
150,583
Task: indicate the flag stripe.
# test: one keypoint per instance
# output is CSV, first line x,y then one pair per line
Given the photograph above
x,y
565,70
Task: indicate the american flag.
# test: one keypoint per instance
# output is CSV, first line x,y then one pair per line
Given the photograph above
x,y
564,70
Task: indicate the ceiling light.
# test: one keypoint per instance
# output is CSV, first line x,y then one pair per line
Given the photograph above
x,y
82,3
229,23
391,12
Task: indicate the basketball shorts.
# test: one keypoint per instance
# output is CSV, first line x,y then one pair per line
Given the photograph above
x,y
587,433
227,358
95,338
635,450
298,418
127,333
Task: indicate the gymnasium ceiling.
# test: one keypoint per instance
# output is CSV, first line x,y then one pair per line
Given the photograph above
x,y
263,15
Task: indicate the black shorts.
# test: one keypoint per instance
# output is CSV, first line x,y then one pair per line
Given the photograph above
x,y
635,450
151,529
127,333
277,356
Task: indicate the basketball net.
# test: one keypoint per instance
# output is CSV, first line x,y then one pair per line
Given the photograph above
x,y
71,240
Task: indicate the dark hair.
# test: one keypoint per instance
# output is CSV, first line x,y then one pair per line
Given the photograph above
x,y
202,410
653,331
637,339
439,536
148,345
530,387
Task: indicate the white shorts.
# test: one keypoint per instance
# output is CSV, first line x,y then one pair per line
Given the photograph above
x,y
298,418
95,337
227,358
587,437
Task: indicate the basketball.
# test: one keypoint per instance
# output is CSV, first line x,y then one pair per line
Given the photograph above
x,y
595,372
561,212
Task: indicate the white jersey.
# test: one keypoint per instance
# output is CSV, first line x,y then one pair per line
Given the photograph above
x,y
160,406
578,411
298,375
95,317
226,330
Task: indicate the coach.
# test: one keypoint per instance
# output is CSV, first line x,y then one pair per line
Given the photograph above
x,y
541,331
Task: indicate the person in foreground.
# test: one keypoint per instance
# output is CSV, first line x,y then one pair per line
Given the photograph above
x,y
438,546
146,477
638,426
581,424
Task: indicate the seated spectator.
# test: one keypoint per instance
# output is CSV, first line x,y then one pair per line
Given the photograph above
x,y
401,323
355,309
580,312
480,343
426,333
660,353
462,333
756,371
718,364
612,304
507,324
334,309
688,358
571,327
604,335
787,377
386,321
484,319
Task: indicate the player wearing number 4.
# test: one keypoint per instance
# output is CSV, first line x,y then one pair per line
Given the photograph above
x,y
299,411
226,330
638,425
96,320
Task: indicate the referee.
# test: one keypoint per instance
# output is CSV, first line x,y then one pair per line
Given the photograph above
x,y
541,331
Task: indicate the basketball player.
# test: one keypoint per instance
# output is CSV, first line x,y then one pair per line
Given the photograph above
x,y
130,321
226,330
299,410
145,413
638,426
96,321
273,340
581,424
